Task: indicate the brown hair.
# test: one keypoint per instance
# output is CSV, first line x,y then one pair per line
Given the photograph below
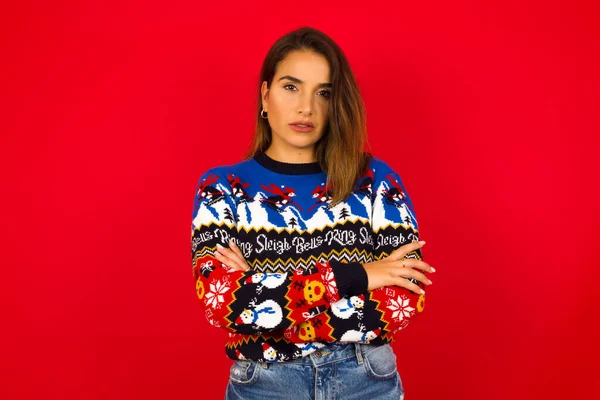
x,y
340,152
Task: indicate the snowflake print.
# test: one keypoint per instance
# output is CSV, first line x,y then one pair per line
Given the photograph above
x,y
226,279
214,298
400,308
228,269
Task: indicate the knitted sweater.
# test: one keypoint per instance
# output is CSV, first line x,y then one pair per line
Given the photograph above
x,y
306,286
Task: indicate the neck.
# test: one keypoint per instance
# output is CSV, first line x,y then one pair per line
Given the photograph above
x,y
293,157
288,168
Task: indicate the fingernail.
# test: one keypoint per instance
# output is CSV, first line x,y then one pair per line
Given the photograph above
x,y
429,282
432,269
421,242
219,246
422,291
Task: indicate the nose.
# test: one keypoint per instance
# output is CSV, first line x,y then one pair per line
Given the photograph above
x,y
305,106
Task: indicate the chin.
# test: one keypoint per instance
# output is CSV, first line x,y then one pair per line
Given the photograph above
x,y
303,145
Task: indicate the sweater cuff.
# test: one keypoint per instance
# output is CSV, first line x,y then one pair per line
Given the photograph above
x,y
351,278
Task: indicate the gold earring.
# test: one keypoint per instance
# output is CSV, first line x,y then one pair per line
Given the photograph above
x,y
261,113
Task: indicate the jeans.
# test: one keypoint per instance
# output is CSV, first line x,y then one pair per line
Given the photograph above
x,y
336,371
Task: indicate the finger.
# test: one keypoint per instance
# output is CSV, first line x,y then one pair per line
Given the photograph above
x,y
414,274
410,286
236,252
234,255
414,263
402,251
229,261
231,254
234,247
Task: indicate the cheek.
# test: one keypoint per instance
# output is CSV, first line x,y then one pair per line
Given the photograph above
x,y
279,110
323,107
282,101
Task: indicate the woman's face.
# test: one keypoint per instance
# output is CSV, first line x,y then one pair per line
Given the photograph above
x,y
299,93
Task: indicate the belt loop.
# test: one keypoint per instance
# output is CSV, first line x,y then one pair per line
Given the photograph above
x,y
358,351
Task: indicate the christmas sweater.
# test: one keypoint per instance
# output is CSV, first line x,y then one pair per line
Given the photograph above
x,y
306,286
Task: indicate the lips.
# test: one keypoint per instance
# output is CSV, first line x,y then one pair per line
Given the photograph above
x,y
303,124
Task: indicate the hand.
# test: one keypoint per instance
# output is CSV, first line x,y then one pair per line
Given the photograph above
x,y
390,270
232,257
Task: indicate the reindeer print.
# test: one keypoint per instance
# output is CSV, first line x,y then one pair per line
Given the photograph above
x,y
237,189
365,185
208,192
323,194
394,196
307,331
281,199
313,291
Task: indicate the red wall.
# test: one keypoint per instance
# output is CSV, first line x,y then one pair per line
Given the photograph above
x,y
109,114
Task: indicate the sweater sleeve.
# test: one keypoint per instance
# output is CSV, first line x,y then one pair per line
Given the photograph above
x,y
249,302
394,225
374,316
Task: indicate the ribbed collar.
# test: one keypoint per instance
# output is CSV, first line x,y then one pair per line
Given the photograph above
x,y
287,168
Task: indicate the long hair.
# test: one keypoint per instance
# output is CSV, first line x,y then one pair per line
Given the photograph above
x,y
340,151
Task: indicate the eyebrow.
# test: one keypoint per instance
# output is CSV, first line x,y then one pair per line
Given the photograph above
x,y
291,78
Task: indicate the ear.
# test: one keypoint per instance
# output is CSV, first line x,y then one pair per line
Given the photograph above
x,y
264,91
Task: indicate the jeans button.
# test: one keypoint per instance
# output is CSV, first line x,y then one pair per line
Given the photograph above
x,y
318,353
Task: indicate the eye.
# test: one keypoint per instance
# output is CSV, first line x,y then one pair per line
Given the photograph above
x,y
326,93
289,84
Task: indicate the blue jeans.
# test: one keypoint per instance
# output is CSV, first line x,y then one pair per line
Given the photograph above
x,y
346,371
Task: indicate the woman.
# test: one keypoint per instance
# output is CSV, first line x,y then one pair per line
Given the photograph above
x,y
307,251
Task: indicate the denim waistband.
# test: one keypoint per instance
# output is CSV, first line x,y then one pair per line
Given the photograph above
x,y
328,354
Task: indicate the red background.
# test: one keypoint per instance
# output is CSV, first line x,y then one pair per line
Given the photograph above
x,y
109,114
